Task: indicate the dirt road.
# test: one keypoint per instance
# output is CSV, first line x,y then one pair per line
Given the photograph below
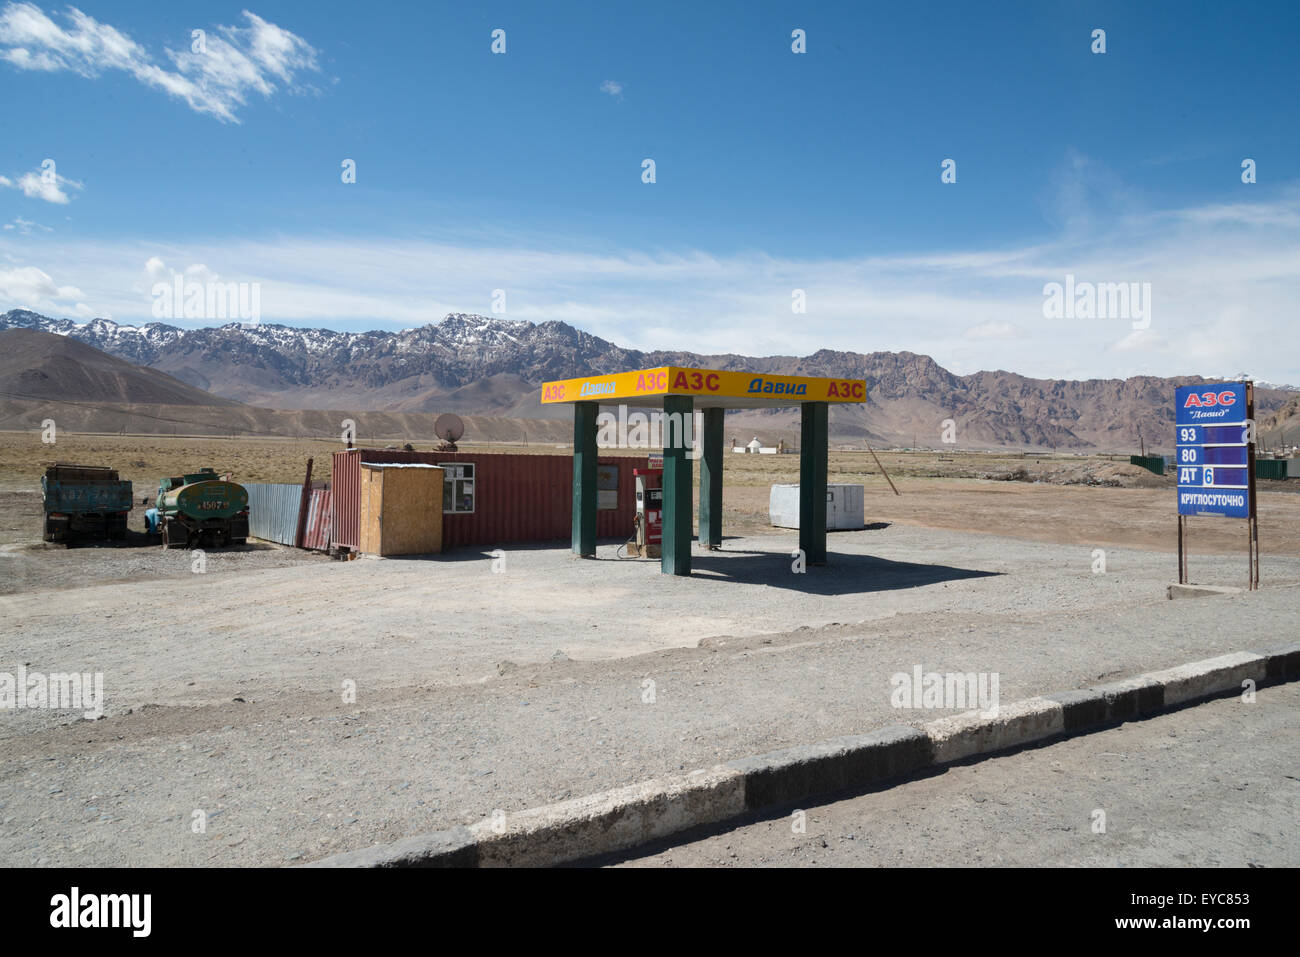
x,y
307,707
476,690
1215,785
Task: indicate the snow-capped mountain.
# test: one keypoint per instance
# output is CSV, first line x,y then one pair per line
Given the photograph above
x,y
269,364
1260,383
476,364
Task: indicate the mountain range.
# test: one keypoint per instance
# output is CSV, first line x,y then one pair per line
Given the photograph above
x,y
494,367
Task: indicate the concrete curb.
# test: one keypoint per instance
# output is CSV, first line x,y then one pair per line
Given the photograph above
x,y
1201,591
964,735
637,814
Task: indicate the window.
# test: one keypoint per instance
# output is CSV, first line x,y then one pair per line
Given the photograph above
x,y
457,487
606,487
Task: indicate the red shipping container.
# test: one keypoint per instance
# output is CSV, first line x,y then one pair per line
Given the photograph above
x,y
517,498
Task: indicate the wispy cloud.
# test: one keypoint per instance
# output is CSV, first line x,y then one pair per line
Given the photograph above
x,y
44,184
613,88
25,226
215,76
995,330
35,289
970,309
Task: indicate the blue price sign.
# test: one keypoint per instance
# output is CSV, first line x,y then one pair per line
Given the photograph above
x,y
1212,451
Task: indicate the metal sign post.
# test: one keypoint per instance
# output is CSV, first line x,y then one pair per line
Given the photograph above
x,y
1215,459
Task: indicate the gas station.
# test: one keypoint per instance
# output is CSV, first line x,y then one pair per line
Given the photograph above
x,y
680,392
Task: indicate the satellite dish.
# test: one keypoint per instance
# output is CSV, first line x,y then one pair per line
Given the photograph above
x,y
449,428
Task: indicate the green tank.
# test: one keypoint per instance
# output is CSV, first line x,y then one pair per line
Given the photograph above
x,y
200,509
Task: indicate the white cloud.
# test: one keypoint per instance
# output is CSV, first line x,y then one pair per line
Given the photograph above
x,y
199,272
613,88
994,330
41,184
1213,307
35,289
1140,340
235,61
25,226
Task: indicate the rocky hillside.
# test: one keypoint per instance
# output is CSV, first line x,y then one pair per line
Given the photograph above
x,y
475,364
40,366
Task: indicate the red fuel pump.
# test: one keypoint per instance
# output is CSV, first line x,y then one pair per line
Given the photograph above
x,y
647,538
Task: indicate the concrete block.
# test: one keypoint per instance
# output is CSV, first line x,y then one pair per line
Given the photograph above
x,y
609,820
1284,662
973,733
1201,679
1081,709
838,764
1131,698
1201,591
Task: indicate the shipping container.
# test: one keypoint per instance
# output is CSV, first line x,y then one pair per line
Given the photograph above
x,y
494,499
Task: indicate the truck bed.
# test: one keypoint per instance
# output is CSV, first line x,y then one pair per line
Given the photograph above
x,y
84,499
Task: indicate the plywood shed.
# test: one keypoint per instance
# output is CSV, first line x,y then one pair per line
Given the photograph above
x,y
401,509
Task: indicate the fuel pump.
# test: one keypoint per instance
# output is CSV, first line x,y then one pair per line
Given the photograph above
x,y
647,538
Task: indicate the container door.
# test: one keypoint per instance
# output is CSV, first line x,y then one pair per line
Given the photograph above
x,y
853,509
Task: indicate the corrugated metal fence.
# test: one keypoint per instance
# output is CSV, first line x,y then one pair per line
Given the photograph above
x,y
273,511
320,519
1152,463
1271,469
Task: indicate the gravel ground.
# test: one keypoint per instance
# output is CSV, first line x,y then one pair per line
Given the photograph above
x,y
1214,785
48,567
478,690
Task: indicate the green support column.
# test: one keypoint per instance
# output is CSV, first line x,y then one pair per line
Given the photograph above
x,y
675,559
584,478
711,480
812,482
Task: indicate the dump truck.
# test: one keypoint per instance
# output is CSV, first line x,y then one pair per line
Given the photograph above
x,y
84,501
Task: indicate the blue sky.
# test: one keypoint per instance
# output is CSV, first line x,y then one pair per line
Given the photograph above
x,y
775,171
